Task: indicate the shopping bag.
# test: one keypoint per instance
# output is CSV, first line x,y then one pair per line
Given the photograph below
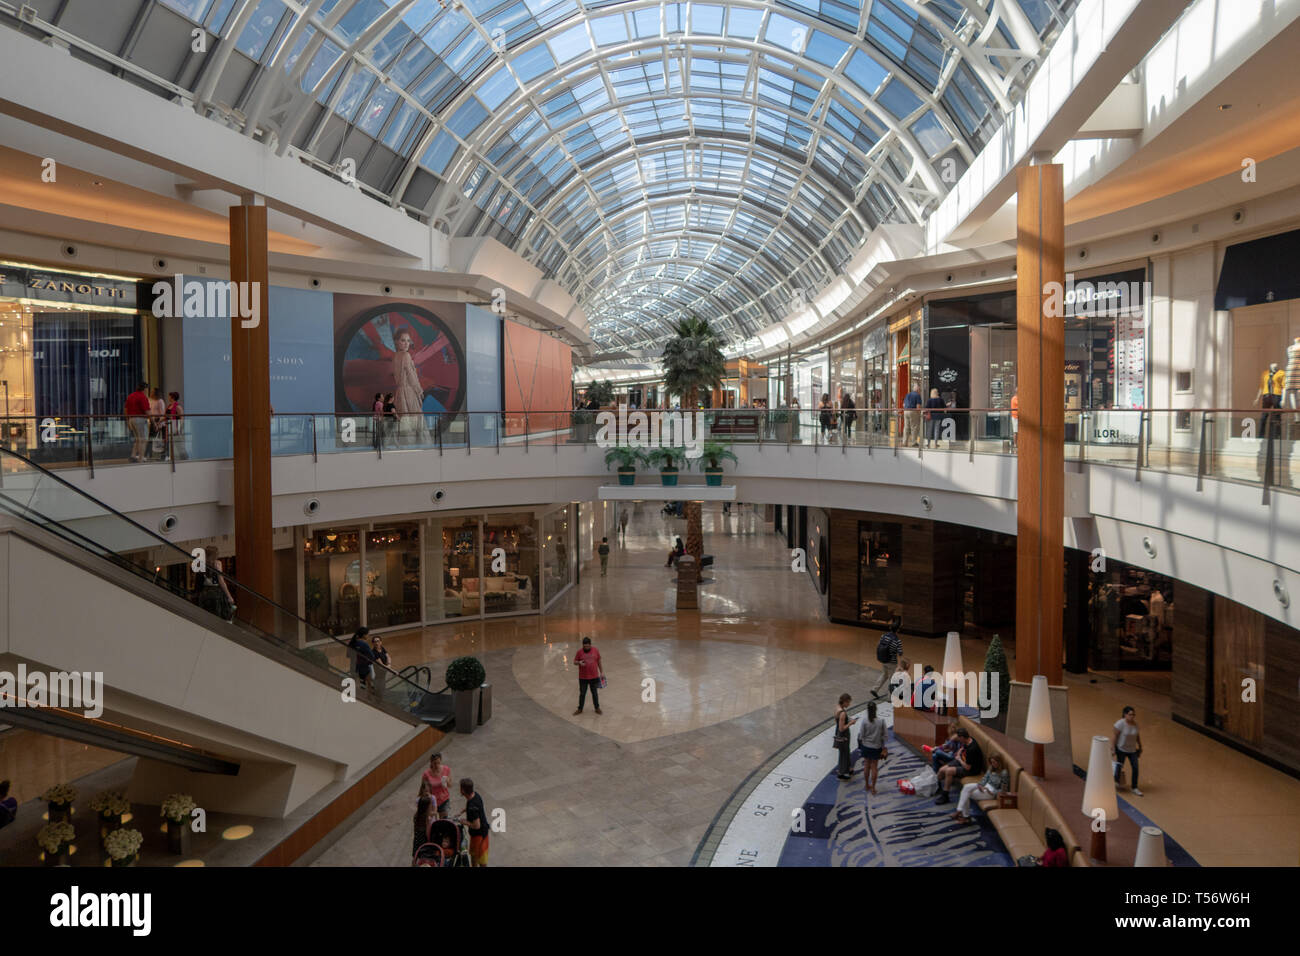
x,y
924,784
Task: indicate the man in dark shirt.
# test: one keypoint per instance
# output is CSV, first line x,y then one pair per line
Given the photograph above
x,y
968,761
475,818
888,651
912,418
364,655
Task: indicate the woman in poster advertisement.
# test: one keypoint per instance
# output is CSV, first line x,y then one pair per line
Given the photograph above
x,y
408,392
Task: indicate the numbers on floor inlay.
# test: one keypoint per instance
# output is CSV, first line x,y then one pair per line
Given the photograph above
x,y
783,783
763,810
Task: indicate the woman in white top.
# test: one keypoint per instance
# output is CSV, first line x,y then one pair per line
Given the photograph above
x,y
1127,744
871,741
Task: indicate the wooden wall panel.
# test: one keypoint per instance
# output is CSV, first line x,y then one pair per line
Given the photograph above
x,y
1238,655
1193,619
843,605
1280,698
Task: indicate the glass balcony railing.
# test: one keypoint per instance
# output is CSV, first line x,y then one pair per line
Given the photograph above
x,y
34,494
1246,445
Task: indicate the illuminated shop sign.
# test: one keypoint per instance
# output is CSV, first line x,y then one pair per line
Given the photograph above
x,y
19,283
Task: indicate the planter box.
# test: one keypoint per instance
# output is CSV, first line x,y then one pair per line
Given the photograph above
x,y
466,703
713,477
179,837
669,476
627,476
782,430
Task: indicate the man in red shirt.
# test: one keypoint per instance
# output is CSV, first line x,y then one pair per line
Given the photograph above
x,y
590,673
137,419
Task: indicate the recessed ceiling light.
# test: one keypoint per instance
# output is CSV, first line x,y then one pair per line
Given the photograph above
x,y
1224,107
97,183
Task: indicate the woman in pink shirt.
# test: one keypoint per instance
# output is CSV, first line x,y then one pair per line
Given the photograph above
x,y
437,777
590,673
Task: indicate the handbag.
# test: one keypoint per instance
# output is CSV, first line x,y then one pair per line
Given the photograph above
x,y
1028,861
841,737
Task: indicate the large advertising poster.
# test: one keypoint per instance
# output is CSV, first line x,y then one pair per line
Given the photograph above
x,y
539,377
417,352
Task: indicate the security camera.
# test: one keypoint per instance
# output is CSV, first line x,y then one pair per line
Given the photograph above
x,y
1083,253
315,283
388,290
1155,238
168,524
1239,215
438,495
312,506
70,251
160,264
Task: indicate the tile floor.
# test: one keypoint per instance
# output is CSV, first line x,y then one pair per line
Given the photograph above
x,y
757,666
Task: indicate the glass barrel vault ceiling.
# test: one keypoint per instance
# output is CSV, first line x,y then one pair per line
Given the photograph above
x,y
654,158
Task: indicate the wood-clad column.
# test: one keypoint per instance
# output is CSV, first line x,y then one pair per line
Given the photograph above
x,y
250,374
1040,381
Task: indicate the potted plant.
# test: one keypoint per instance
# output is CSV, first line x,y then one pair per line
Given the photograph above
x,y
55,838
713,455
666,459
123,846
60,797
583,420
627,459
465,676
995,662
176,810
602,393
111,806
782,423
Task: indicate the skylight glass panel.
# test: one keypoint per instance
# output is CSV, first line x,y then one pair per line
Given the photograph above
x,y
898,99
499,87
865,72
570,44
532,63
743,24
261,28
930,134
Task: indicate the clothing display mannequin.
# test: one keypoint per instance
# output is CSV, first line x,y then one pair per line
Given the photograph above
x,y
1292,399
1271,385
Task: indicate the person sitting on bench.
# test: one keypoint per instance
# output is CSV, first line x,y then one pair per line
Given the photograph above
x,y
967,760
678,550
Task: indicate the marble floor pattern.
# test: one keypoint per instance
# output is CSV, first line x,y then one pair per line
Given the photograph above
x,y
641,785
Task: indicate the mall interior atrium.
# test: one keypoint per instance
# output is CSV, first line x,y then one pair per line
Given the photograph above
x,y
887,412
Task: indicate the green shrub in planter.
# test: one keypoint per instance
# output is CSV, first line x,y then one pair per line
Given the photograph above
x,y
714,454
666,459
465,673
627,458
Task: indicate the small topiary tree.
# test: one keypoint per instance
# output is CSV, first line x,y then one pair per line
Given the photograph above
x,y
995,662
465,673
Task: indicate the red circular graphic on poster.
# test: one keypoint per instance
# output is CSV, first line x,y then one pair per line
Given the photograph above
x,y
370,351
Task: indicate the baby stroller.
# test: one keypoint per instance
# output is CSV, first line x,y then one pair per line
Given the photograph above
x,y
448,846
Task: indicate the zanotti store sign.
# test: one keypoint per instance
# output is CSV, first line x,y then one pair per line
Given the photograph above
x,y
66,287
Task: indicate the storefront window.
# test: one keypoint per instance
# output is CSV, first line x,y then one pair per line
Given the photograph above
x,y
332,592
1130,615
459,570
393,575
880,572
510,581
557,560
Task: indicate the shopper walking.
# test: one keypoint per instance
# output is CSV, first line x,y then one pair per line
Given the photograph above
x,y
871,741
437,777
603,551
888,651
383,664
1126,744
175,417
423,817
157,424
1015,418
622,523
849,415
933,418
136,410
363,657
475,819
841,739
213,592
591,671
377,419
912,418
826,415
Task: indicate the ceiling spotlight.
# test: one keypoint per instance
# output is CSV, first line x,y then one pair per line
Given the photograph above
x,y
1224,107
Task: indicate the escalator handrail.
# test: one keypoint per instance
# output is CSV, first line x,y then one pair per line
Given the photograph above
x,y
102,551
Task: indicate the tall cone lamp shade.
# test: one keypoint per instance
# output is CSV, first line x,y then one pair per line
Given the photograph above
x,y
952,669
1151,848
1038,725
1099,794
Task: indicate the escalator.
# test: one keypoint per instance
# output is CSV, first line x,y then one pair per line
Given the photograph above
x,y
195,694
